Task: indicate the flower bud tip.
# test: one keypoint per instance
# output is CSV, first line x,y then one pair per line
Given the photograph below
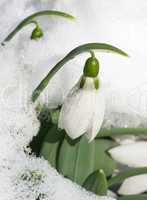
x,y
91,68
37,33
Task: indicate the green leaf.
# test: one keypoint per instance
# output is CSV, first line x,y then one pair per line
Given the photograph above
x,y
96,183
78,159
71,55
102,159
133,197
30,19
49,152
126,174
121,131
54,134
51,144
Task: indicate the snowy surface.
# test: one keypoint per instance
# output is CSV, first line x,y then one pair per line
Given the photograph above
x,y
32,178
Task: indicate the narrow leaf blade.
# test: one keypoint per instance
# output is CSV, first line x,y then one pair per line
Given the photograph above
x,y
51,144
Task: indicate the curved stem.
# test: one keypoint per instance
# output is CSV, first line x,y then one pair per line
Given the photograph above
x,y
33,22
80,49
30,18
126,174
92,53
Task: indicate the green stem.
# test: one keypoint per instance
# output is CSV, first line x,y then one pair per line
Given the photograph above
x,y
80,49
34,22
133,197
121,131
126,174
29,19
92,53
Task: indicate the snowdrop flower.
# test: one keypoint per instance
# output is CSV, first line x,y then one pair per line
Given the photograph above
x,y
83,109
132,155
134,185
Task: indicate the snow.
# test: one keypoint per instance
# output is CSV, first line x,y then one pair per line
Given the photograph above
x,y
32,177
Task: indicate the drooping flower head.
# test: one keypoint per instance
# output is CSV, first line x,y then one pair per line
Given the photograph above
x,y
83,109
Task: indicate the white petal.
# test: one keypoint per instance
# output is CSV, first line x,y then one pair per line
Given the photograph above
x,y
133,155
134,185
76,112
98,116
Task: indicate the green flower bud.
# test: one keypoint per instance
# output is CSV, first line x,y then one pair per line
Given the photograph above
x,y
37,33
91,68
